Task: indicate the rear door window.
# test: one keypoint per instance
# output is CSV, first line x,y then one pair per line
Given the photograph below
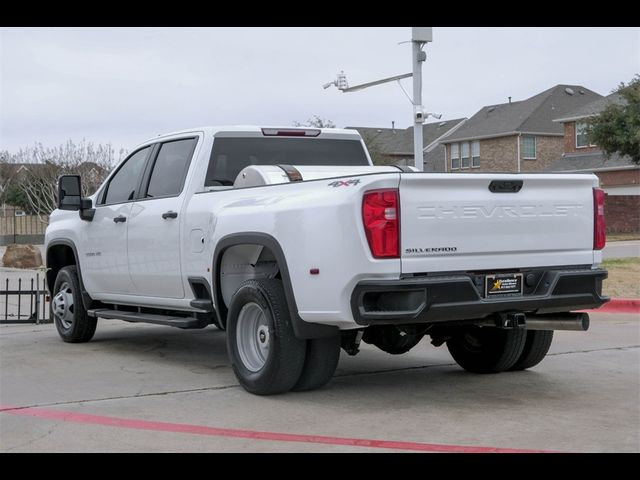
x,y
170,168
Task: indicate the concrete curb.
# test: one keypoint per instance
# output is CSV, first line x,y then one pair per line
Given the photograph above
x,y
620,305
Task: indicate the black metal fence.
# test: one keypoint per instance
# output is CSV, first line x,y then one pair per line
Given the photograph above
x,y
29,303
22,229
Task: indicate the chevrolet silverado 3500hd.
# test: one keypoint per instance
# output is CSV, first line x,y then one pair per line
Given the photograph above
x,y
297,246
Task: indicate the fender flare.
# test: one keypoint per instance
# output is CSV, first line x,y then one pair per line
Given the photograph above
x,y
302,329
86,299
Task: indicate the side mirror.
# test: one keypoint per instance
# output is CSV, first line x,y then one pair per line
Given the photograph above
x,y
70,197
69,192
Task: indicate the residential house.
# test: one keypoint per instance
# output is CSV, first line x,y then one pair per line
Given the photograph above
x,y
515,136
394,146
619,176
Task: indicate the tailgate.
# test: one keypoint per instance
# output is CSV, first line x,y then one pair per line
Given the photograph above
x,y
454,222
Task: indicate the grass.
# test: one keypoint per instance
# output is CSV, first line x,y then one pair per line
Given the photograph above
x,y
624,277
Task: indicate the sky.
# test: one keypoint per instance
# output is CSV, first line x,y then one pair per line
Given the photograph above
x,y
125,85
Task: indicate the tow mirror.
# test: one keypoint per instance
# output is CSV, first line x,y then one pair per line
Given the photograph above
x,y
70,197
69,192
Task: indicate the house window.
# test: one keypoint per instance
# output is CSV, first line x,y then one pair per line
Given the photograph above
x,y
465,155
475,154
529,148
581,135
455,156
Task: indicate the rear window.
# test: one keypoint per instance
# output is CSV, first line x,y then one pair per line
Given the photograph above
x,y
230,155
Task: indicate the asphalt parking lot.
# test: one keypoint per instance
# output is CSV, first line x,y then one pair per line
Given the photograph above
x,y
152,388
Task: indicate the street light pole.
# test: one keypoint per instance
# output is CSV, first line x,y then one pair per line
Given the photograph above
x,y
419,36
417,105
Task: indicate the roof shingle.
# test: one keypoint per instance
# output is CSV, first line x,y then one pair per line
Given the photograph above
x,y
590,162
593,108
395,141
533,115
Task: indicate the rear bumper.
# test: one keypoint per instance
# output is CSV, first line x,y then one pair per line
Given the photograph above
x,y
431,299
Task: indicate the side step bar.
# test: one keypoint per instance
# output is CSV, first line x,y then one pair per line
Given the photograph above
x,y
180,322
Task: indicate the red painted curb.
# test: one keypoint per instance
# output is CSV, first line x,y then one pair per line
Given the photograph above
x,y
619,305
83,418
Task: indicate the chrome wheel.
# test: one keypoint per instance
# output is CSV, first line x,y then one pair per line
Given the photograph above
x,y
252,337
63,305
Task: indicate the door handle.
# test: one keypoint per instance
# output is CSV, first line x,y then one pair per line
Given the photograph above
x,y
170,214
120,219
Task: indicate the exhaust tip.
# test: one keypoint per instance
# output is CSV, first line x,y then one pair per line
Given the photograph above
x,y
584,320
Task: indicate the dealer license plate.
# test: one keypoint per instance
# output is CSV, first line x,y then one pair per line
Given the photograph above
x,y
503,284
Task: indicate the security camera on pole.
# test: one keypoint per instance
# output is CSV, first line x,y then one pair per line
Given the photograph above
x,y
419,36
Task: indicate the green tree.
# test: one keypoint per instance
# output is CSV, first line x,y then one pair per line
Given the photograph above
x,y
14,195
617,128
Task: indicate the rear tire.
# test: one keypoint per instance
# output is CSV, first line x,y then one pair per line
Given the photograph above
x,y
487,350
67,310
320,363
535,349
265,354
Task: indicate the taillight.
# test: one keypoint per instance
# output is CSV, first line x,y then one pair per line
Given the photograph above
x,y
381,218
599,234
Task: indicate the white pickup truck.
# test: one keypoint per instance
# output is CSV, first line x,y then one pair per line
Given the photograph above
x,y
297,246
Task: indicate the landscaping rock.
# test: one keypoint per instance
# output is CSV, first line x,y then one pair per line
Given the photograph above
x,y
22,256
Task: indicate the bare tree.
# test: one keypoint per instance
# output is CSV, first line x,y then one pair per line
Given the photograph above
x,y
317,122
43,165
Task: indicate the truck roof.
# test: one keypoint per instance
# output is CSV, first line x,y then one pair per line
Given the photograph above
x,y
212,130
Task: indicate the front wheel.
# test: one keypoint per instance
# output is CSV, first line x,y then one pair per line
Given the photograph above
x,y
265,354
487,349
68,312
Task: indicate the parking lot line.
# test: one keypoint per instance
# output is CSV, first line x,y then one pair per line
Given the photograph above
x,y
82,418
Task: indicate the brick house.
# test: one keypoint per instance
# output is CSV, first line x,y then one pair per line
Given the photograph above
x,y
515,136
619,176
394,146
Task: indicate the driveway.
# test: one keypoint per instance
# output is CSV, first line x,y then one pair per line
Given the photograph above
x,y
630,248
149,388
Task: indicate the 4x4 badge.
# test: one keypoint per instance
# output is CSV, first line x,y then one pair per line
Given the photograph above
x,y
345,183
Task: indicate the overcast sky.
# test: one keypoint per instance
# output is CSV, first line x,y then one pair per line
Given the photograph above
x,y
124,85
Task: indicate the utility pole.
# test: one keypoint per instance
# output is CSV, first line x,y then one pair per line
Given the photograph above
x,y
419,36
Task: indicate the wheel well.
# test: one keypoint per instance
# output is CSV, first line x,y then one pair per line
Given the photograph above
x,y
58,256
254,255
240,263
